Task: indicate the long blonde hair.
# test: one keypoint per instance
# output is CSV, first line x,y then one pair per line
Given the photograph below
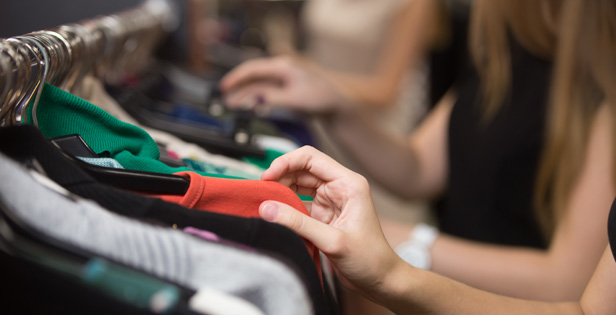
x,y
584,79
491,22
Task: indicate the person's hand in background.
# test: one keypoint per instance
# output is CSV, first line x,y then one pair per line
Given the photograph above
x,y
281,82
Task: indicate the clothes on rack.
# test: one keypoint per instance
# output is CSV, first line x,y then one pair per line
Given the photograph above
x,y
60,113
237,197
103,212
148,100
27,143
161,251
92,90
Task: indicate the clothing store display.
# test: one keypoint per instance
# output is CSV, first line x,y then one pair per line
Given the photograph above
x,y
271,285
79,233
492,167
612,229
92,90
237,197
148,99
60,113
26,143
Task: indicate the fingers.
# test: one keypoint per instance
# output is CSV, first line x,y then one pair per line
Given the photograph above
x,y
319,233
266,68
253,94
308,159
301,180
260,93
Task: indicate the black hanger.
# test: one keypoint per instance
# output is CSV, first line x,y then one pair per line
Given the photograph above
x,y
156,183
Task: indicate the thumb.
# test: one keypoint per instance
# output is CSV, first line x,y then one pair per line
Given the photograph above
x,y
317,232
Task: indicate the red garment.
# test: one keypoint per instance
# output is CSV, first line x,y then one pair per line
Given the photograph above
x,y
238,197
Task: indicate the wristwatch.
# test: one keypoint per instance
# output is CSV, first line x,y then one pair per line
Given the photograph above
x,y
416,250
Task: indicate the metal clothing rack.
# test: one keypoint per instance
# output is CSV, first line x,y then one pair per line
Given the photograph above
x,y
108,47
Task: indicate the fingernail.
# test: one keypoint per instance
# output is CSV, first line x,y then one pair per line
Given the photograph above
x,y
269,211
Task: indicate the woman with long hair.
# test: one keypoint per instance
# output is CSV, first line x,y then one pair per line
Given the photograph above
x,y
527,186
344,226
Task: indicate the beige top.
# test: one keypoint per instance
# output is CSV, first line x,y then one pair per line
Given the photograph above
x,y
347,35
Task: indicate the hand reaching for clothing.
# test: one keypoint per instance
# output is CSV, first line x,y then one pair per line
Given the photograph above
x,y
281,82
343,223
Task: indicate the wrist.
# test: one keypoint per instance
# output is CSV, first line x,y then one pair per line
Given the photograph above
x,y
399,285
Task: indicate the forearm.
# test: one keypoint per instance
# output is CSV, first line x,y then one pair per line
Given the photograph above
x,y
390,162
414,167
414,291
371,91
512,271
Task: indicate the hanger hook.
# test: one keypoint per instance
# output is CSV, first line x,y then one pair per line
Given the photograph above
x,y
41,82
17,78
7,77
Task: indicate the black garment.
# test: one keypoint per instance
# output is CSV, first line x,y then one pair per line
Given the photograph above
x,y
611,229
492,166
448,63
26,142
32,289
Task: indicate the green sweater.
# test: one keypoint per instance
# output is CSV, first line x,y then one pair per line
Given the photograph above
x,y
60,113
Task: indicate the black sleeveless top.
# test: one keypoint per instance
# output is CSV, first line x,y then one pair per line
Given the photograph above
x,y
611,229
492,166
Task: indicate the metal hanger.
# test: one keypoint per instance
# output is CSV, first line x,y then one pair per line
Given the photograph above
x,y
41,78
107,46
34,62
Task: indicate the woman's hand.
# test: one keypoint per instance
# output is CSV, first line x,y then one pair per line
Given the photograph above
x,y
281,82
343,222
